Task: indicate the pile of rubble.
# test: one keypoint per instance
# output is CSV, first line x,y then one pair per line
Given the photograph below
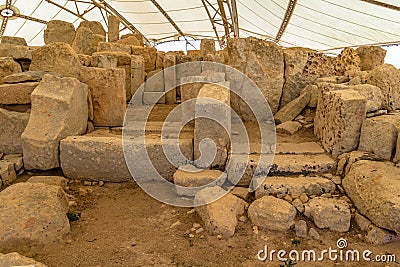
x,y
57,101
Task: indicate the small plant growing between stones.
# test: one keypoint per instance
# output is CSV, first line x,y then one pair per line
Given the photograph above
x,y
73,217
289,263
296,242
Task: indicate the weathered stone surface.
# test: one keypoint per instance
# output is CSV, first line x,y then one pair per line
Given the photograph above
x,y
113,47
113,28
207,46
59,109
85,60
16,160
292,109
12,126
347,62
298,148
295,62
8,66
301,228
86,41
298,164
333,214
15,259
26,76
378,236
94,26
219,217
49,180
56,57
155,81
131,40
7,172
94,158
313,90
170,77
160,60
347,159
107,87
383,128
149,54
272,213
189,176
374,189
18,93
318,65
19,53
152,98
295,186
212,102
59,31
372,94
263,63
387,78
104,61
371,57
13,40
338,119
288,127
137,73
36,215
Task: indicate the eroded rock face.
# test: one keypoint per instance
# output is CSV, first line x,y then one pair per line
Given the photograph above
x,y
8,66
15,259
329,213
338,119
13,40
347,62
387,78
374,189
56,57
59,109
12,126
221,216
318,65
86,41
36,215
94,26
59,31
371,57
263,63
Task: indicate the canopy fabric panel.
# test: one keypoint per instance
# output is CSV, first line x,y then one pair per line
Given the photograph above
x,y
317,24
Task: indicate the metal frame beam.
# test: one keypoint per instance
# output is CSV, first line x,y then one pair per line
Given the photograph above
x,y
286,19
226,16
381,4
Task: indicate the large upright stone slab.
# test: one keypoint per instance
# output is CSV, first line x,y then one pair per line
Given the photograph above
x,y
374,189
36,215
213,121
86,41
379,135
207,46
59,109
263,63
113,28
107,87
149,54
338,119
371,57
8,66
94,26
387,77
59,31
56,57
137,73
170,77
12,126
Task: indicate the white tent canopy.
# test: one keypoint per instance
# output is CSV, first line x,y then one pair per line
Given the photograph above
x,y
317,24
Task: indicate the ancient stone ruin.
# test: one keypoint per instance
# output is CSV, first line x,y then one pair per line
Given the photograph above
x,y
63,108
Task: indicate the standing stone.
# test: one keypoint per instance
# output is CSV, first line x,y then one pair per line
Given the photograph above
x,y
214,122
374,189
295,62
155,81
170,77
160,60
18,93
137,73
329,213
59,31
107,87
221,216
7,172
8,66
113,28
94,26
292,109
272,213
207,46
59,109
86,41
338,119
56,57
13,40
149,54
36,216
383,128
387,77
12,126
263,63
371,57
347,62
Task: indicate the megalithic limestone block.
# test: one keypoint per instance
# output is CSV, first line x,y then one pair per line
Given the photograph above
x,y
113,28
59,109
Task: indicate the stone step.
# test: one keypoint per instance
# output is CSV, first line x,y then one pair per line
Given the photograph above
x,y
101,158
